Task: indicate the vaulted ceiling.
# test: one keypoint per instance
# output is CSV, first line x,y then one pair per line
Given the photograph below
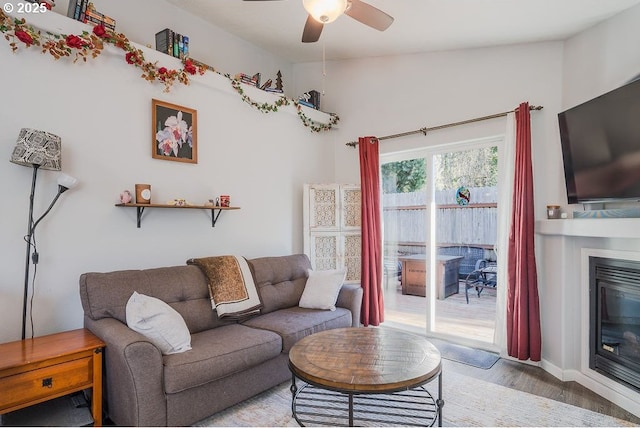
x,y
419,25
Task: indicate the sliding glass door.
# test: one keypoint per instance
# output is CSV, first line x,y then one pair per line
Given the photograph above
x,y
439,229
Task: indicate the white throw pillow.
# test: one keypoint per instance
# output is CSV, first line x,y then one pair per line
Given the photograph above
x,y
158,322
322,288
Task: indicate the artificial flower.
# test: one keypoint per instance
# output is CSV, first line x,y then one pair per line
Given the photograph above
x,y
132,58
24,37
74,41
189,67
100,31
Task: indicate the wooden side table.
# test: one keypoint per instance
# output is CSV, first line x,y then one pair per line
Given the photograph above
x,y
48,367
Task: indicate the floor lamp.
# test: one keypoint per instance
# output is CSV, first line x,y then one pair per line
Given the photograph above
x,y
38,149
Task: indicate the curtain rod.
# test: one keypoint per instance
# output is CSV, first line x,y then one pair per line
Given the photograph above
x,y
448,125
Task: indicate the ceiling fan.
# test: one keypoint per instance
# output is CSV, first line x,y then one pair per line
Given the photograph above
x,y
325,11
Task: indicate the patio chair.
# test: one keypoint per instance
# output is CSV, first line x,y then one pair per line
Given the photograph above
x,y
483,276
470,257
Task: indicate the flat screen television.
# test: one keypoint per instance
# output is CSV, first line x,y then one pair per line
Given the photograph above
x,y
601,147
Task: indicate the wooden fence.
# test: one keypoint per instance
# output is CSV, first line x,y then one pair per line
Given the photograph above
x,y
405,220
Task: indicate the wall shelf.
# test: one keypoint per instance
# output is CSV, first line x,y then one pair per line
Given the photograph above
x,y
214,216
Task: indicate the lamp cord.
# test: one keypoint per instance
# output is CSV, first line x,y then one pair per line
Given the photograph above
x,y
34,258
33,293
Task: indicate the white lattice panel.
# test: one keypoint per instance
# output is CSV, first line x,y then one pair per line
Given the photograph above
x,y
324,251
351,208
352,260
324,208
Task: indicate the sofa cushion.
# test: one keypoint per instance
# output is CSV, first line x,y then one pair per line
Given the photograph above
x,y
322,288
292,324
217,353
184,288
280,280
159,323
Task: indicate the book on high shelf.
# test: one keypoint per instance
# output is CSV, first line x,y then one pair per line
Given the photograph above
x,y
83,10
176,45
305,103
73,10
164,41
314,99
181,46
185,43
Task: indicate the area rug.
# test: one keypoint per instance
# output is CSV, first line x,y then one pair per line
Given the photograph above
x,y
468,402
465,355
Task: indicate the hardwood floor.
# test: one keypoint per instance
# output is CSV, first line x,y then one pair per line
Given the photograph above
x,y
535,380
476,320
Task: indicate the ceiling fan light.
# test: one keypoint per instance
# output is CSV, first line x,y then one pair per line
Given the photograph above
x,y
325,11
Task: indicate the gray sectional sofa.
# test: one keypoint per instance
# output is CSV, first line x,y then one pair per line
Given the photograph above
x,y
229,362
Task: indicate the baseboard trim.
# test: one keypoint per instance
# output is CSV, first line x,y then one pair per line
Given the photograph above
x,y
618,394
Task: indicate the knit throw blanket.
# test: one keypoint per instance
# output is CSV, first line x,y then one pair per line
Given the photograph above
x,y
231,287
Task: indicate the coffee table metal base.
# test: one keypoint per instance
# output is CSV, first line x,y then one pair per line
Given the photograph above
x,y
316,406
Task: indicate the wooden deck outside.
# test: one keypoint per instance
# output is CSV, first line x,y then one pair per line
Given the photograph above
x,y
454,316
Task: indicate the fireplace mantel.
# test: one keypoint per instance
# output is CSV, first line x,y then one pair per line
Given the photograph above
x,y
591,227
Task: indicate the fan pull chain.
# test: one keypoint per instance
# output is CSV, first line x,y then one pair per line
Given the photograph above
x,y
324,69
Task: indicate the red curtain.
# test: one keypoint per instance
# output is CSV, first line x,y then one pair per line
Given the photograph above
x,y
523,307
371,279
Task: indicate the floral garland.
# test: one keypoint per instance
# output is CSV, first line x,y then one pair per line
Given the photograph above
x,y
87,44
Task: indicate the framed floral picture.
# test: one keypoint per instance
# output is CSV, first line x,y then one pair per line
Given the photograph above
x,y
174,135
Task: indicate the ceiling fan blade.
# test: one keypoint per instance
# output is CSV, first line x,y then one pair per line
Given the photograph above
x,y
369,15
312,30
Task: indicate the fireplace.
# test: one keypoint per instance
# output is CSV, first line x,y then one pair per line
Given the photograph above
x,y
614,290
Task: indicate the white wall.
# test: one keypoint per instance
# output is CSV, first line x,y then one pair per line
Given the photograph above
x,y
102,111
390,95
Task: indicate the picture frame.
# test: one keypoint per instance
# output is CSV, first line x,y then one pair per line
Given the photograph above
x,y
174,132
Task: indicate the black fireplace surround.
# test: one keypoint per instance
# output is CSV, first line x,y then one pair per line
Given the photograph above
x,y
614,305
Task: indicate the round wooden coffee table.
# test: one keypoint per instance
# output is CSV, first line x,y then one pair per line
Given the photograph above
x,y
371,376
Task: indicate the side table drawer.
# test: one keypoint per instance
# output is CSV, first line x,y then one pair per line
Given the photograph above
x,y
45,382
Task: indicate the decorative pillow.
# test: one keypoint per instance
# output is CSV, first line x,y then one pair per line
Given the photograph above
x,y
322,288
158,322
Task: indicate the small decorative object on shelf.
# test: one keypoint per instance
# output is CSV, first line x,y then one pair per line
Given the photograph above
x,y
266,86
172,43
125,197
553,211
249,80
143,193
224,201
179,203
279,87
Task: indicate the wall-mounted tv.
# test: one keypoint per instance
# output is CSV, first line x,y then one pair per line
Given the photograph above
x,y
601,147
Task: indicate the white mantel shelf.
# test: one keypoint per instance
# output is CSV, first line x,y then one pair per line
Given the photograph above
x,y
591,227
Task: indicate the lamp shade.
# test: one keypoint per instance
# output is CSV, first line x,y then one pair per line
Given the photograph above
x,y
38,148
325,11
